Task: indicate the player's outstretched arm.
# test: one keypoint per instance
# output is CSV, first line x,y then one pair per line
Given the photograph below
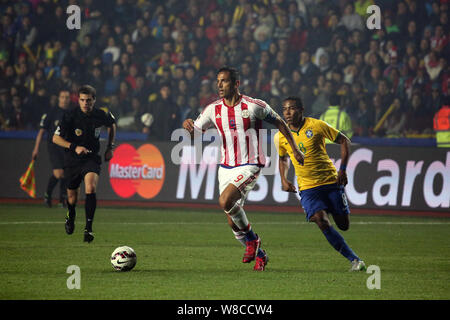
x,y
60,141
37,143
188,124
111,138
285,131
283,165
345,154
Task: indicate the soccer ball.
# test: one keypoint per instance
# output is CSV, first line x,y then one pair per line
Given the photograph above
x,y
123,258
147,119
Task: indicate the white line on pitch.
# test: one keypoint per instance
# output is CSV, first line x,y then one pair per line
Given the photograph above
x,y
214,223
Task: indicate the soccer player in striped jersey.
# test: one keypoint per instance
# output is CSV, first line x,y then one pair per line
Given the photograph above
x,y
321,187
238,120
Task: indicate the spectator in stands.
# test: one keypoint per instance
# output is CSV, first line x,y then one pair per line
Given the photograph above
x,y
394,124
234,53
192,79
26,35
205,96
182,89
418,120
337,117
298,36
362,120
317,35
95,78
384,92
124,95
112,83
131,118
350,19
193,111
371,83
434,100
281,63
378,109
276,82
64,82
433,65
131,77
262,84
321,101
16,116
89,49
4,108
293,30
296,80
308,70
401,18
165,113
111,50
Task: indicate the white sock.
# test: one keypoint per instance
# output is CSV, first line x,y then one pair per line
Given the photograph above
x,y
239,217
240,236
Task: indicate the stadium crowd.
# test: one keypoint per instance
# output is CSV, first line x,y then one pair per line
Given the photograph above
x,y
160,57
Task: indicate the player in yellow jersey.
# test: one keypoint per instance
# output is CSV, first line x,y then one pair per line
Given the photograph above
x,y
321,187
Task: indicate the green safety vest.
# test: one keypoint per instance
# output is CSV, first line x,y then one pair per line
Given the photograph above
x,y
338,119
443,139
441,124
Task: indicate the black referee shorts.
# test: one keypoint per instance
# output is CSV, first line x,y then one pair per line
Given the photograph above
x,y
56,155
75,174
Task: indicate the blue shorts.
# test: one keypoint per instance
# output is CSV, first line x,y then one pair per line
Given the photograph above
x,y
329,197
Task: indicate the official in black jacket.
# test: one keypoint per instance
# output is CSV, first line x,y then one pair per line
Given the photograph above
x,y
79,133
49,121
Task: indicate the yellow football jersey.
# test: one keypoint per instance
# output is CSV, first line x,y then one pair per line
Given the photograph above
x,y
317,169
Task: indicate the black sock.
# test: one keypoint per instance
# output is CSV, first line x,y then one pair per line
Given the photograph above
x,y
90,206
72,212
52,181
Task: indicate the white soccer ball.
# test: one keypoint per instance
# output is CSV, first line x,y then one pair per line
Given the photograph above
x,y
123,258
147,119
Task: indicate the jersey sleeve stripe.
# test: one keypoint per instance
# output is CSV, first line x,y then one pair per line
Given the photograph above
x,y
218,121
255,101
247,124
234,134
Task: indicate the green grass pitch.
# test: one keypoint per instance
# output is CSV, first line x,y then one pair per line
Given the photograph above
x,y
187,255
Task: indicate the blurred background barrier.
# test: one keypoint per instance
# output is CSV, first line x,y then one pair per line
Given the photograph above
x,y
380,177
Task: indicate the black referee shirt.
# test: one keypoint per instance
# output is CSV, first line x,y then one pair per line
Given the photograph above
x,y
84,130
50,121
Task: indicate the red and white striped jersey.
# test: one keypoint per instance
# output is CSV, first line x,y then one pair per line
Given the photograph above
x,y
239,128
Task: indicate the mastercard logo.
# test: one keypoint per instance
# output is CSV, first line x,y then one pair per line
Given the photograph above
x,y
140,171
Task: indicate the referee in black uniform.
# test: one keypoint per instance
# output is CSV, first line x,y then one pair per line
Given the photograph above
x,y
49,122
79,133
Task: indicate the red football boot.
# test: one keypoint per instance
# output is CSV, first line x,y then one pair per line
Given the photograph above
x,y
251,250
261,262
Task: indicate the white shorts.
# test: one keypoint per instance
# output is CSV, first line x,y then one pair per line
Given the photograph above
x,y
242,177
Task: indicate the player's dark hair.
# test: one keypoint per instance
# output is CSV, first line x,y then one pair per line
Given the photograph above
x,y
234,73
298,101
87,89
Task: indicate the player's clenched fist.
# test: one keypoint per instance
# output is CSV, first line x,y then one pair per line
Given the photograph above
x,y
299,156
342,178
188,124
81,150
288,186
